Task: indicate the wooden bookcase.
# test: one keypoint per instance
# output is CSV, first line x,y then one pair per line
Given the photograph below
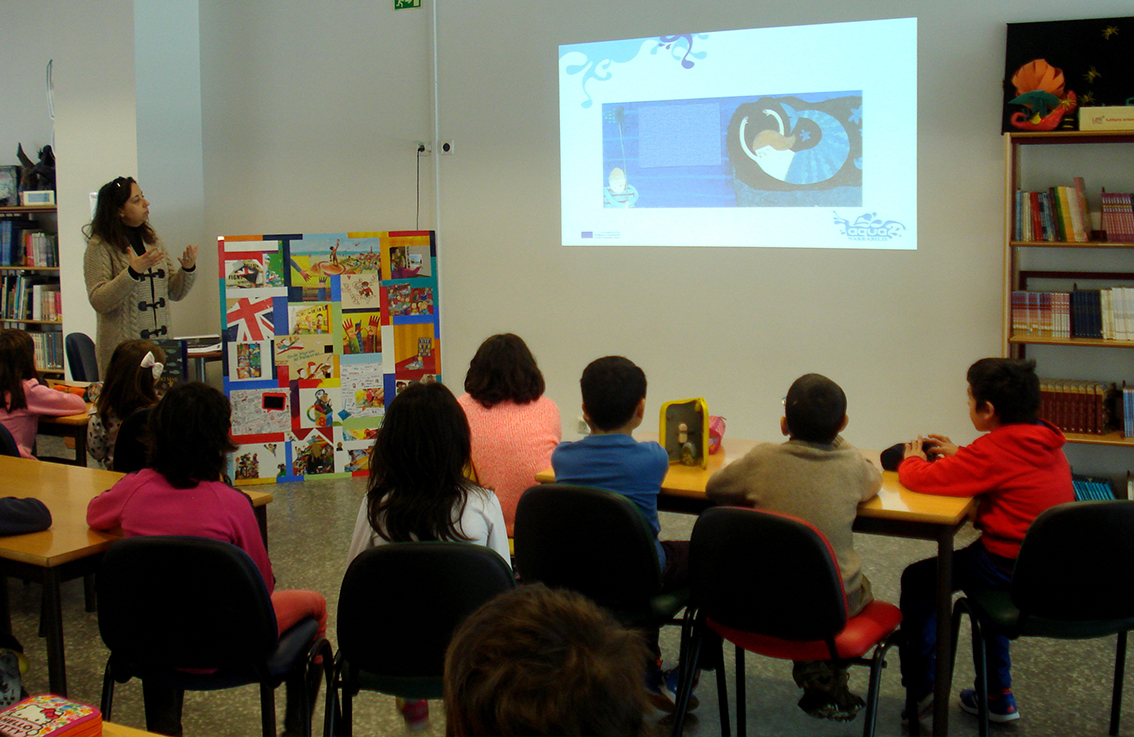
x,y
1061,262
45,218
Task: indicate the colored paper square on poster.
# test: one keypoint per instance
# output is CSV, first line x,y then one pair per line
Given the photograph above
x,y
317,406
253,319
361,291
363,393
309,319
313,455
362,332
250,417
409,298
250,361
253,461
306,356
407,262
316,258
414,350
352,455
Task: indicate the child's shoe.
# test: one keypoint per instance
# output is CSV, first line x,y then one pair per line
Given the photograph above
x,y
839,704
1001,707
414,711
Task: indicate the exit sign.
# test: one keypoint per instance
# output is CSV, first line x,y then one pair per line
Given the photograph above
x,y
403,4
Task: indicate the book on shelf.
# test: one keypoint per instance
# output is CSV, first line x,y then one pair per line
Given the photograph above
x,y
1084,407
48,350
1092,488
1102,314
1058,214
50,716
1118,216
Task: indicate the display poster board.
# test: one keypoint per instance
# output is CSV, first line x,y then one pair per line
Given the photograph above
x,y
320,333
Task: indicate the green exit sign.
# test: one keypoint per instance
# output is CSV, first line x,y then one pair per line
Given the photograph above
x,y
403,4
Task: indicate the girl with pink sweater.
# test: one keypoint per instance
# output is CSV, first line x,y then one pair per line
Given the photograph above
x,y
514,427
24,397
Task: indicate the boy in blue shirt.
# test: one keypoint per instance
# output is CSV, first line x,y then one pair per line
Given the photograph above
x,y
614,402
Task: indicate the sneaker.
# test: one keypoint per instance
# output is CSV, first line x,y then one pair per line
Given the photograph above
x,y
840,705
670,686
924,709
1001,707
414,711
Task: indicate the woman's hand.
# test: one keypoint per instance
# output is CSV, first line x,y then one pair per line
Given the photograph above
x,y
189,258
142,263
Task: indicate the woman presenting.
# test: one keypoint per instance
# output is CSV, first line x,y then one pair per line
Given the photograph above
x,y
130,279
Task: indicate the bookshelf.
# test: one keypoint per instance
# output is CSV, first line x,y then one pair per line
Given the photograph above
x,y
29,287
1039,160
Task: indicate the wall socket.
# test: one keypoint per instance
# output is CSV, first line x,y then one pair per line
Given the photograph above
x,y
424,148
447,148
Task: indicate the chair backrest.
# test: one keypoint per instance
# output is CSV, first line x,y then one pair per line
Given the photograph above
x,y
1077,563
8,445
184,602
81,357
130,446
766,572
400,603
588,540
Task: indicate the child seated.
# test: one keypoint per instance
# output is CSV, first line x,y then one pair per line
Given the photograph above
x,y
1018,469
135,366
418,490
23,398
536,661
821,478
614,402
182,494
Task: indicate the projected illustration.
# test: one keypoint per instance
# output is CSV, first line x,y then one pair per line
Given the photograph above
x,y
783,151
775,137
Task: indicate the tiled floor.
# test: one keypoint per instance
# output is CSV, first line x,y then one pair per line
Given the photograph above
x,y
1062,688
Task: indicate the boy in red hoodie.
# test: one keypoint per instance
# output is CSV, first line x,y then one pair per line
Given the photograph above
x,y
1017,471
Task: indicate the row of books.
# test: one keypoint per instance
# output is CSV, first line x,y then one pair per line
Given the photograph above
x,y
1091,488
1087,407
1127,411
1056,214
22,245
48,350
1118,216
1106,314
23,297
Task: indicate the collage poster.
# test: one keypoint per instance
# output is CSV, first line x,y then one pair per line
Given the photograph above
x,y
320,333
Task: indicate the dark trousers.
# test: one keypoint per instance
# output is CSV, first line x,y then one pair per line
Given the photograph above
x,y
675,575
972,567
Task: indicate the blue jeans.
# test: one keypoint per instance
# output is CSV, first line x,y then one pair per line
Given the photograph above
x,y
973,567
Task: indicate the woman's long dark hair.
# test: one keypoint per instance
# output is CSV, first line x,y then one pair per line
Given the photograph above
x,y
17,364
189,435
417,484
502,369
107,221
128,385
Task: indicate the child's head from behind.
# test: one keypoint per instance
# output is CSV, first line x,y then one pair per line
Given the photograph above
x,y
502,369
129,384
538,661
417,464
1009,386
815,409
189,435
17,364
613,388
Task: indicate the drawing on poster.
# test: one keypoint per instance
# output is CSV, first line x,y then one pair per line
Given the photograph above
x,y
410,261
244,273
362,332
309,319
249,417
406,299
313,455
362,391
361,291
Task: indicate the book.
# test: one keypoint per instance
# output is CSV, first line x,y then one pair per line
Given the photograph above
x,y
50,716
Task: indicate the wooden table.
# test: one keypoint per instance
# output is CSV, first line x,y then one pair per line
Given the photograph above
x,y
69,426
70,549
895,512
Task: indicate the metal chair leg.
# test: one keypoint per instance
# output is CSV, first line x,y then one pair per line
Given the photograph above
x,y
741,698
691,636
1119,676
980,662
268,709
722,694
107,703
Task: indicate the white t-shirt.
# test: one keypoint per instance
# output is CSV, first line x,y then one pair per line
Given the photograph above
x,y
483,522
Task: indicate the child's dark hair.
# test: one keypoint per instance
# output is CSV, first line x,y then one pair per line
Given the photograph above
x,y
107,222
815,407
612,388
502,369
1010,385
189,435
536,661
128,384
417,484
17,364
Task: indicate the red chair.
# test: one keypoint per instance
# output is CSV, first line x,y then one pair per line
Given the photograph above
x,y
769,583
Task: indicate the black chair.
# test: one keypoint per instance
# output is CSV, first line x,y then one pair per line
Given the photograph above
x,y
8,446
81,357
171,603
769,583
399,648
595,542
1074,580
130,445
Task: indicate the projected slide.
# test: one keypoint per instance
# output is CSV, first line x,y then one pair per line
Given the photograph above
x,y
787,137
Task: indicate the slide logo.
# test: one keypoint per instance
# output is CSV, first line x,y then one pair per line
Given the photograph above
x,y
868,227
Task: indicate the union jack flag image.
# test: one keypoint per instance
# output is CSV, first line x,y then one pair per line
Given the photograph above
x,y
253,319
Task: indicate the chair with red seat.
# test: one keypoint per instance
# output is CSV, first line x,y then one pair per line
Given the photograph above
x,y
769,583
